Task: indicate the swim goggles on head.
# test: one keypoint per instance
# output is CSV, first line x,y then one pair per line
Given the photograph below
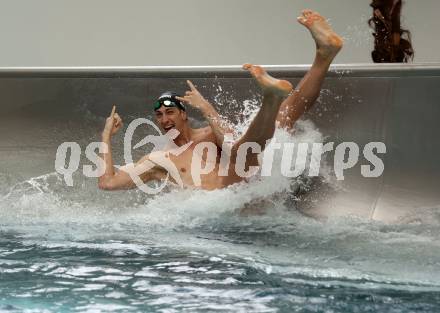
x,y
168,103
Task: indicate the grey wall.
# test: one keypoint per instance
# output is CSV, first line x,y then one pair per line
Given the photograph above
x,y
192,32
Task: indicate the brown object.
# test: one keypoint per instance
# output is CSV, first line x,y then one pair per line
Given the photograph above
x,y
392,44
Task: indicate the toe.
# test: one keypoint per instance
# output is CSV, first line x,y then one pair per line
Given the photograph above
x,y
307,13
247,66
302,20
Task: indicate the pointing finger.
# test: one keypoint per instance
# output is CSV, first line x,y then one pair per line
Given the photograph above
x,y
191,85
113,111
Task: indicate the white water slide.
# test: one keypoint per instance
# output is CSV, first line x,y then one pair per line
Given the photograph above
x,y
398,105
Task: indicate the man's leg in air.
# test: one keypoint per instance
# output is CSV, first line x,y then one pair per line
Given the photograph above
x,y
328,44
262,127
274,90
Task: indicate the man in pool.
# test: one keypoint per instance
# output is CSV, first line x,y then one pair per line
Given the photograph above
x,y
282,106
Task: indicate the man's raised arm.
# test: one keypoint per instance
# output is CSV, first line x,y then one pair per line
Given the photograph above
x,y
218,125
120,179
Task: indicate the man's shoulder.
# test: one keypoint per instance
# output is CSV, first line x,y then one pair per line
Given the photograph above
x,y
202,132
202,129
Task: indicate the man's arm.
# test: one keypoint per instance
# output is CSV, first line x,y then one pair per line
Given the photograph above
x,y
218,125
120,179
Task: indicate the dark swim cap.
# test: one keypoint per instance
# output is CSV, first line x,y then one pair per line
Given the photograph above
x,y
168,99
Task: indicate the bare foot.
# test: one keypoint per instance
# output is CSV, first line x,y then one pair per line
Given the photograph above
x,y
328,43
267,82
